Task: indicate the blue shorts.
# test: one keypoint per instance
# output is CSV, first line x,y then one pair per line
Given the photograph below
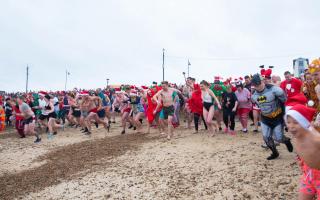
x,y
161,115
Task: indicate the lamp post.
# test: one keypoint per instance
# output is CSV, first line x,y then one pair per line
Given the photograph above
x,y
189,68
108,83
27,80
65,84
163,64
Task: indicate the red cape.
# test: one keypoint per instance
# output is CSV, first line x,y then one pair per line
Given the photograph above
x,y
151,106
195,102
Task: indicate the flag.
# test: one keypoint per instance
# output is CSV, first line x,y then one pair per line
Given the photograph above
x,y
189,62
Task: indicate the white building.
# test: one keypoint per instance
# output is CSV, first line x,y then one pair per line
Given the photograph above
x,y
299,66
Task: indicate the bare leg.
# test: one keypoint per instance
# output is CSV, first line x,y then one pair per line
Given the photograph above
x,y
50,125
189,119
209,121
108,113
101,121
43,123
170,133
124,121
82,122
137,121
205,116
162,126
88,120
218,116
255,119
149,126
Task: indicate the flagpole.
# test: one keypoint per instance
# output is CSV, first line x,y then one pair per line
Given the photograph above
x,y
108,83
65,84
162,64
189,68
27,81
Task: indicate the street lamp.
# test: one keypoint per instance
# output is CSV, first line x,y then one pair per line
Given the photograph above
x,y
108,83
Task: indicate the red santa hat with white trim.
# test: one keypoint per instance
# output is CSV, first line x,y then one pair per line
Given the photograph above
x,y
302,114
133,92
42,93
84,93
297,99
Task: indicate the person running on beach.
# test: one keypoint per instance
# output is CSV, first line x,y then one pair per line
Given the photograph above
x,y
209,99
152,111
195,103
137,110
74,113
116,104
50,112
125,108
165,96
18,119
230,104
29,118
298,120
43,117
244,105
270,99
94,106
218,88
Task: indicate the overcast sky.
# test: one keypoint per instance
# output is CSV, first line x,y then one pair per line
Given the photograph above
x,y
123,39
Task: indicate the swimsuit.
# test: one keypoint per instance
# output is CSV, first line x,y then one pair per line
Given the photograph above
x,y
310,180
94,110
166,112
207,101
28,121
52,114
76,112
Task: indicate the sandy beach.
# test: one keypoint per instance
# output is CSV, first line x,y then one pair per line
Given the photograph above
x,y
144,166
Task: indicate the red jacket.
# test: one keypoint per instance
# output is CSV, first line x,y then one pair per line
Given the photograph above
x,y
195,102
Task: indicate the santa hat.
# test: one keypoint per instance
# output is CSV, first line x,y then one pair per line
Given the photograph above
x,y
133,93
266,73
297,99
144,87
302,114
42,93
217,78
84,93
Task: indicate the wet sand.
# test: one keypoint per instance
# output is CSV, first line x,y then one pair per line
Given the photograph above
x,y
144,166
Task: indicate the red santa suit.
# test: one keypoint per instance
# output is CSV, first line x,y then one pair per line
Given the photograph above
x,y
195,102
151,106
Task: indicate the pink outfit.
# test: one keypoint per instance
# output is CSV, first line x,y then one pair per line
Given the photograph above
x,y
244,98
310,180
244,107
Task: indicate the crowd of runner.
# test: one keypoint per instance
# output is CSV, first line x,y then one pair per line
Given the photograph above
x,y
262,101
